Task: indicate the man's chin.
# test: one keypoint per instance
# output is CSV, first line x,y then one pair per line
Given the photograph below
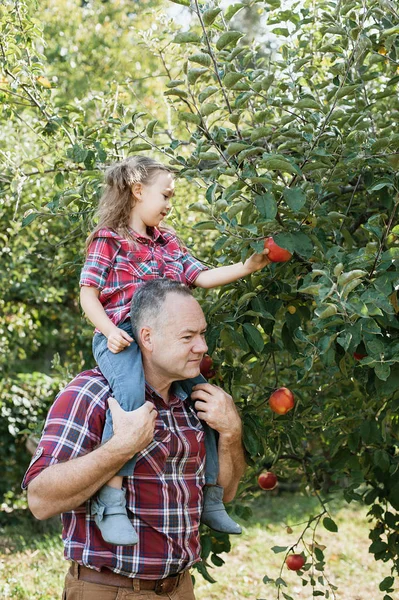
x,y
190,372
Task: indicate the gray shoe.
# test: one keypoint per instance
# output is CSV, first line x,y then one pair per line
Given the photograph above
x,y
110,515
214,513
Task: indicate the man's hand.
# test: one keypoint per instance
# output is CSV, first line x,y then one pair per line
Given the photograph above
x,y
217,408
133,430
118,340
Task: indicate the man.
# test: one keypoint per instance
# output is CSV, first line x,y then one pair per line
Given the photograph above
x,y
165,495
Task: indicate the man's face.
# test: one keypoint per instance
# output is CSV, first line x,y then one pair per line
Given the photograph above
x,y
179,338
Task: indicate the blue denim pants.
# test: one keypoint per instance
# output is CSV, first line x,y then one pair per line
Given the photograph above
x,y
125,375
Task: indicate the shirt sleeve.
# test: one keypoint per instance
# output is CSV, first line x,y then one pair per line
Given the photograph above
x,y
99,260
73,427
192,267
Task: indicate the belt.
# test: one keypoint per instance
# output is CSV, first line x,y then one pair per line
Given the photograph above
x,y
107,577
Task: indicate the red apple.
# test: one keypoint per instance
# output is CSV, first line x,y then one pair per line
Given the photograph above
x,y
281,401
358,355
206,367
276,253
267,480
295,562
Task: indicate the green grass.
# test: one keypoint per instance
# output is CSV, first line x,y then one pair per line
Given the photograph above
x,y
32,566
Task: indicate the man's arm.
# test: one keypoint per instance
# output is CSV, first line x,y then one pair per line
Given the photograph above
x,y
65,486
217,408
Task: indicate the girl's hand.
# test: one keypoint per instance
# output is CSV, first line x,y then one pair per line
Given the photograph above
x,y
118,340
257,261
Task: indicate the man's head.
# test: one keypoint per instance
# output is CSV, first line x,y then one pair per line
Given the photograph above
x,y
169,326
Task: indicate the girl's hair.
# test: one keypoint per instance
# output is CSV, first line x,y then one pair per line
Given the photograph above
x,y
117,201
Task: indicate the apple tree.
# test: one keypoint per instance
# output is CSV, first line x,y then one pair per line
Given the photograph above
x,y
280,122
292,136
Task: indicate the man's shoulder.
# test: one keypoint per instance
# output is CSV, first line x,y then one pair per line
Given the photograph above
x,y
89,388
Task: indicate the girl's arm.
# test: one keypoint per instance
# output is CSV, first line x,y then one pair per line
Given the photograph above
x,y
118,339
223,275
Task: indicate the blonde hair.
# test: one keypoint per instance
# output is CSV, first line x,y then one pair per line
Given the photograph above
x,y
117,200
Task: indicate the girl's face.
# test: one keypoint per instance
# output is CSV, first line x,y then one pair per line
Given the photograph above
x,y
153,200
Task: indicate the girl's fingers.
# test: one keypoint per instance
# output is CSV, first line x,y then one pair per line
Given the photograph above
x,y
126,336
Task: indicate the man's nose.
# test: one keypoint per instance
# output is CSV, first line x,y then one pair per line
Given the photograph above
x,y
200,346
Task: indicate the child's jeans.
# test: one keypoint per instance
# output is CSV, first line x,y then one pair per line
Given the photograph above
x,y
125,375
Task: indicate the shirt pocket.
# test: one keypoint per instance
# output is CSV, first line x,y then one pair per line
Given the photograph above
x,y
173,266
156,454
136,262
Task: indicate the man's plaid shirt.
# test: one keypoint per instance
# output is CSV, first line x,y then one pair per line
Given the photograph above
x,y
164,497
116,267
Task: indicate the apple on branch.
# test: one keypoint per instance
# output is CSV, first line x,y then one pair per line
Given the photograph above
x,y
295,562
267,480
281,401
276,253
206,367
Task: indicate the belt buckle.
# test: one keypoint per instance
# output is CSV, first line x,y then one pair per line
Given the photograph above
x,y
159,587
167,585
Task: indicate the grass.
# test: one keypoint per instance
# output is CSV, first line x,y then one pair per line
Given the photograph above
x,y
32,567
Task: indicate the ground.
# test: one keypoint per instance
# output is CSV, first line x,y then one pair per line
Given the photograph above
x,y
32,567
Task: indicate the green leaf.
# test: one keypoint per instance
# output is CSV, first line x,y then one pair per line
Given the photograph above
x,y
174,82
279,164
251,438
231,78
279,549
382,370
209,108
295,198
308,103
228,38
330,525
201,567
236,147
210,15
150,127
182,2
186,37
29,218
326,310
253,337
188,117
266,205
347,90
232,10
139,147
381,459
176,92
201,58
194,74
206,92
386,584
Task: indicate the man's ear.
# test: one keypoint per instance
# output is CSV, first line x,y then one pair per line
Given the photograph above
x,y
146,338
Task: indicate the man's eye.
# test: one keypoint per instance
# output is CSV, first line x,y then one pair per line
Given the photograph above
x,y
187,337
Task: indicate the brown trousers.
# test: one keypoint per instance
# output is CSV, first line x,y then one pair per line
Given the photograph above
x,y
76,589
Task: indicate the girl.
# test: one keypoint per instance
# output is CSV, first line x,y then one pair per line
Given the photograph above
x,y
126,249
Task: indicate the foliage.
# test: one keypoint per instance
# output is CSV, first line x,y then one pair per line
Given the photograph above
x,y
295,141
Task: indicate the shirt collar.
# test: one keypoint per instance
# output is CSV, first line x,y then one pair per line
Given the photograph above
x,y
176,392
153,231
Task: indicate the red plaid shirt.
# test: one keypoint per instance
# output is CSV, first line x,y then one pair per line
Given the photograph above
x,y
164,497
116,267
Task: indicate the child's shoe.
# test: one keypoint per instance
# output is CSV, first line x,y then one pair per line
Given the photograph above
x,y
214,513
109,510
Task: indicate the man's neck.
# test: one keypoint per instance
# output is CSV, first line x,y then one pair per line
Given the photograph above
x,y
158,382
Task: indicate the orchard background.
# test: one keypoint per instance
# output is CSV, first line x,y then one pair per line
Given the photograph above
x,y
281,118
